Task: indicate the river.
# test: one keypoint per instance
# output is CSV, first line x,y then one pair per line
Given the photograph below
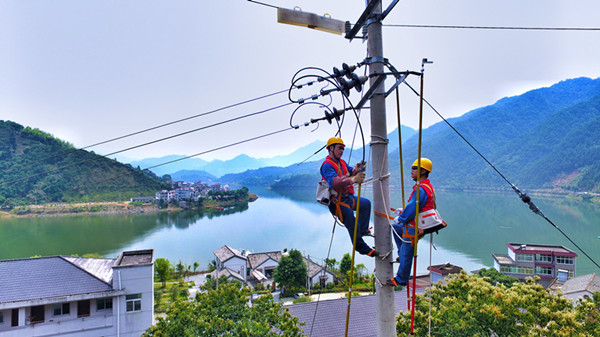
x,y
479,224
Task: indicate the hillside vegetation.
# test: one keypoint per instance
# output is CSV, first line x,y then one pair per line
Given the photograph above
x,y
546,139
36,167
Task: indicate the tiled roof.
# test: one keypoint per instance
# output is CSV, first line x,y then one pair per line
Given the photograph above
x,y
255,260
101,268
445,269
225,253
314,268
589,282
227,272
38,278
330,318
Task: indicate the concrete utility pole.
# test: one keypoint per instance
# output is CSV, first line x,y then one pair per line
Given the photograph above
x,y
386,324
372,17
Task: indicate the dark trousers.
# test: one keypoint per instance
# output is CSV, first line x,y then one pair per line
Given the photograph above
x,y
364,216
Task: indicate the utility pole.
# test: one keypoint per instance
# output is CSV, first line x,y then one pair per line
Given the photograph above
x,y
372,17
386,324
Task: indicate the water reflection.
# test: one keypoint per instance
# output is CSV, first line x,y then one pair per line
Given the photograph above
x,y
479,225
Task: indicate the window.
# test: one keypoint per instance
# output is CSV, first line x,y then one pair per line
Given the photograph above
x,y
1,317
61,309
525,257
543,270
565,260
103,304
133,302
516,270
36,314
543,257
83,308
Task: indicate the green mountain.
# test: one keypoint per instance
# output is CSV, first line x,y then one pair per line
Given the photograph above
x,y
544,139
35,167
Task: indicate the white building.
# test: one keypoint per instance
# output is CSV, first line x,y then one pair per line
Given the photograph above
x,y
76,296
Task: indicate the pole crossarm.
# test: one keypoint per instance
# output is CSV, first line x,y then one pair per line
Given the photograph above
x,y
363,18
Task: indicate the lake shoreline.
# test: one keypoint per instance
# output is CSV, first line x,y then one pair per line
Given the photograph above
x,y
104,208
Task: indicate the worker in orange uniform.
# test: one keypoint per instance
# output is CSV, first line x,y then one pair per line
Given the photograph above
x,y
341,178
404,224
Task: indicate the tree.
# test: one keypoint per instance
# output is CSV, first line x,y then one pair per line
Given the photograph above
x,y
495,277
291,270
331,263
163,270
345,266
196,265
468,305
225,312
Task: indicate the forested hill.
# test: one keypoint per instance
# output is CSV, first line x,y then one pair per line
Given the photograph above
x,y
544,139
57,172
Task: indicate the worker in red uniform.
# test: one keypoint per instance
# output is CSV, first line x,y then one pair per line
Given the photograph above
x,y
404,224
341,178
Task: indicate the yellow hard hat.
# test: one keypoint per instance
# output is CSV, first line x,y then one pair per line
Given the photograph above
x,y
425,164
335,140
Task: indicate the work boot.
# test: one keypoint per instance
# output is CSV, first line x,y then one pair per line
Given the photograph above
x,y
373,253
393,282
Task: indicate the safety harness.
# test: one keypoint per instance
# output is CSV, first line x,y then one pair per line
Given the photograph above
x,y
429,204
341,170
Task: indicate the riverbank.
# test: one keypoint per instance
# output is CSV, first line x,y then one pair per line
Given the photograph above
x,y
104,208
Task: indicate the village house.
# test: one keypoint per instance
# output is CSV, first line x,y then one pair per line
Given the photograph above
x,y
549,262
77,296
257,268
580,287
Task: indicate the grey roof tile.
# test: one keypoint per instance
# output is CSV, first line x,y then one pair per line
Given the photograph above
x,y
101,268
330,316
37,278
589,282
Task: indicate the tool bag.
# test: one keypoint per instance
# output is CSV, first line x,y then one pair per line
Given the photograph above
x,y
324,193
430,221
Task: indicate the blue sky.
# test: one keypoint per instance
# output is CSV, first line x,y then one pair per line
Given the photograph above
x,y
88,71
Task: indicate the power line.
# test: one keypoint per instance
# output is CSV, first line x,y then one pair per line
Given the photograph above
x,y
524,197
145,144
204,152
497,27
145,130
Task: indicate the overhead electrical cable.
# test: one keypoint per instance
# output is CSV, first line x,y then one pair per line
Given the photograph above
x,y
497,27
524,197
146,130
205,152
146,144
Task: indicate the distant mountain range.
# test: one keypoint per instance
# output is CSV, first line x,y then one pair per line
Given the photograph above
x,y
544,139
196,168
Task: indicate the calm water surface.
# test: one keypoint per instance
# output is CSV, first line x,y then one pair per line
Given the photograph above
x,y
479,225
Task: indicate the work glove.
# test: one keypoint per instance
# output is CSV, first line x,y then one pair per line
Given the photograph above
x,y
360,167
398,211
358,178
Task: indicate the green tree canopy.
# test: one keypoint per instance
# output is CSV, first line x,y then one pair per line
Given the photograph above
x,y
468,305
345,266
163,269
495,277
225,312
291,270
